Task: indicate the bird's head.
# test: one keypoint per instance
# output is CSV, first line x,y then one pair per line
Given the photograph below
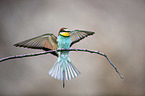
x,y
63,32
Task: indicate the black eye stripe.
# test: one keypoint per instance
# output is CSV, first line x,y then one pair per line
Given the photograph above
x,y
64,31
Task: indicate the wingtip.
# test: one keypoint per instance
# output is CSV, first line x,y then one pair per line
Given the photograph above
x,y
91,32
15,45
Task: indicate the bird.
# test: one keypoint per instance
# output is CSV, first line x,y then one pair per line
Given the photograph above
x,y
63,69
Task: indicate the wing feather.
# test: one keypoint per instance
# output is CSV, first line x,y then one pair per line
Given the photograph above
x,y
78,35
45,42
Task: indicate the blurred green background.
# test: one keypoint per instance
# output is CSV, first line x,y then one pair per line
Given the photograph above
x,y
119,27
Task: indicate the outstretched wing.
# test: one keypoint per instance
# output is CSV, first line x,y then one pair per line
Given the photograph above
x,y
78,35
45,42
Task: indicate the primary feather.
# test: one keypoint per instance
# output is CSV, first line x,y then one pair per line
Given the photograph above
x,y
45,42
78,35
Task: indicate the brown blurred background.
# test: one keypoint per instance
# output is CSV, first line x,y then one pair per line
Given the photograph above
x,y
120,30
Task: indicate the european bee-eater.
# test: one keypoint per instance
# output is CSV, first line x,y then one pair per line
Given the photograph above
x,y
63,68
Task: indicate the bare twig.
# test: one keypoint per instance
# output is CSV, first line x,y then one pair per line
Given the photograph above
x,y
46,52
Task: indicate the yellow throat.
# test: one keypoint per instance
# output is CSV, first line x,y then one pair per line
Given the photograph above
x,y
64,33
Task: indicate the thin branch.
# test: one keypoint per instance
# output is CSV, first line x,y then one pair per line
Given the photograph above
x,y
46,52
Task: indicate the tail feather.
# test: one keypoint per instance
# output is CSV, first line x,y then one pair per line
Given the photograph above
x,y
56,72
63,79
63,69
71,71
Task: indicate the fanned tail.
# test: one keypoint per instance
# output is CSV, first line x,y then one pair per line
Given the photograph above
x,y
63,69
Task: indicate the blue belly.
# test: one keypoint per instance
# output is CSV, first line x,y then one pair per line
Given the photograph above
x,y
63,42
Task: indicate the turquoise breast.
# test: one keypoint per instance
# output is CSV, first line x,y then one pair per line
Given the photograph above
x,y
63,42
